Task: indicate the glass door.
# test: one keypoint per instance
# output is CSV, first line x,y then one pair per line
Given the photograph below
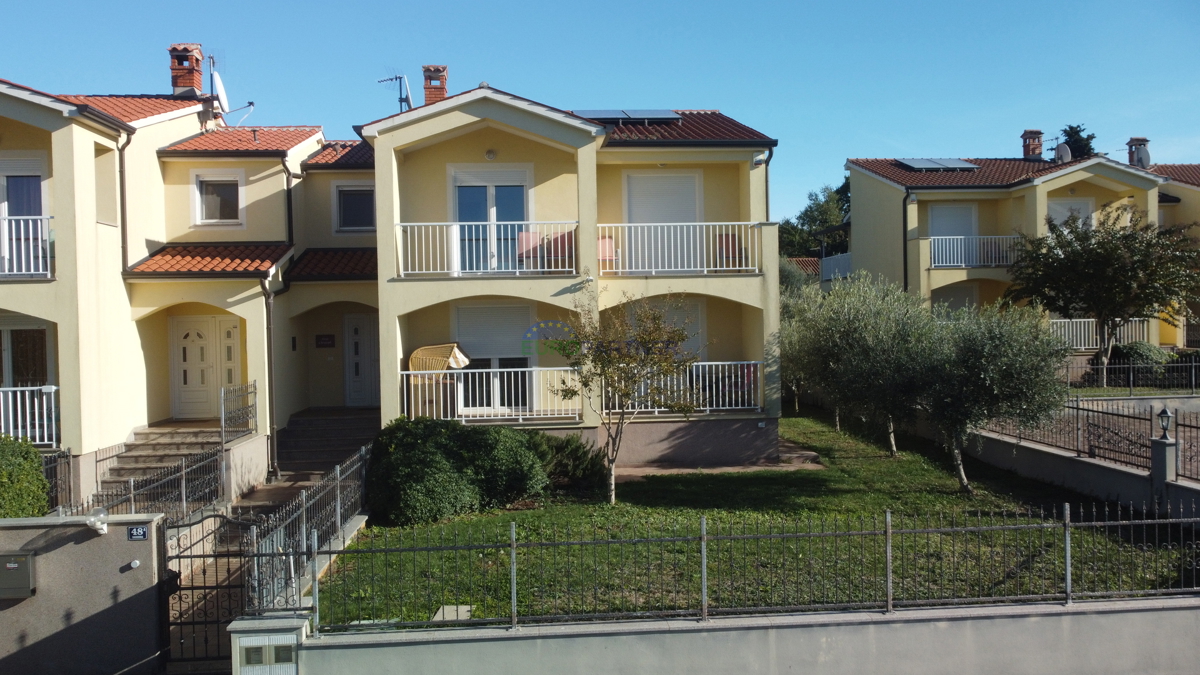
x,y
491,221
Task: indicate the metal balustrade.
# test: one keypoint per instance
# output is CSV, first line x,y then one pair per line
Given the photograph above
x,y
493,394
1082,333
838,266
973,251
706,387
679,248
25,247
30,412
473,249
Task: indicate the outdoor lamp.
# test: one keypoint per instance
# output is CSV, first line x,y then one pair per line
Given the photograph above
x,y
1164,421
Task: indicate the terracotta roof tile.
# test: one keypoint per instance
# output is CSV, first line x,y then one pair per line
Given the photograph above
x,y
335,264
243,140
1183,173
342,155
807,265
698,127
133,107
991,172
251,259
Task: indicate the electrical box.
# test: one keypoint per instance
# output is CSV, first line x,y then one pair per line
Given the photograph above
x,y
17,579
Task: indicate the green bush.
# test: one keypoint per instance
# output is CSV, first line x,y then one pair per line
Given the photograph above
x,y
570,462
500,463
1140,353
23,487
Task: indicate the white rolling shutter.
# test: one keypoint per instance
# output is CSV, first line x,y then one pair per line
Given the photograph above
x,y
493,331
491,177
952,220
1061,209
662,198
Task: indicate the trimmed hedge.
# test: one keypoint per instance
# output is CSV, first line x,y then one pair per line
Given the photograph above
x,y
24,489
424,470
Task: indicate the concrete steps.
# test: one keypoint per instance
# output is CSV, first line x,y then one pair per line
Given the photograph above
x,y
317,439
154,449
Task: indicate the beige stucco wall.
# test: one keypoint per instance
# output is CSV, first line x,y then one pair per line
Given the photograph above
x,y
313,213
265,201
875,232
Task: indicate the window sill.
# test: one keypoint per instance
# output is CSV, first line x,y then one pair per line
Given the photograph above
x,y
218,224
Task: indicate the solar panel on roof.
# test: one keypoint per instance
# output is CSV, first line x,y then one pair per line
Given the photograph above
x,y
956,164
602,114
938,164
654,115
921,164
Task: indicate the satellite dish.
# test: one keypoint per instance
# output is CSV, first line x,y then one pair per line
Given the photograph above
x,y
1141,157
219,90
1062,153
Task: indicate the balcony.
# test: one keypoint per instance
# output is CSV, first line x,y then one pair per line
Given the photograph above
x,y
25,247
973,251
1081,334
835,266
485,249
491,395
30,412
646,249
713,386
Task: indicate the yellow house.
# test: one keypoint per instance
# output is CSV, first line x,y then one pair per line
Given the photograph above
x,y
946,228
155,259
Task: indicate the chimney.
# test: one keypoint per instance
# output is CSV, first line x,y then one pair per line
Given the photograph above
x,y
187,70
1031,144
1139,159
435,83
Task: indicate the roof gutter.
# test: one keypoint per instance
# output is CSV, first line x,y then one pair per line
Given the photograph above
x,y
124,197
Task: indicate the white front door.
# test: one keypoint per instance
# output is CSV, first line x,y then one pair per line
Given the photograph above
x,y
362,360
194,385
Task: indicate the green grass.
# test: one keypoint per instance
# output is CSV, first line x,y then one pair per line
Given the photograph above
x,y
859,483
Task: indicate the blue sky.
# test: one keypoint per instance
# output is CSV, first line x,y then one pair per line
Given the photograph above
x,y
830,80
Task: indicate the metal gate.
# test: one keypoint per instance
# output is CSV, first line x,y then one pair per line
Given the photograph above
x,y
204,585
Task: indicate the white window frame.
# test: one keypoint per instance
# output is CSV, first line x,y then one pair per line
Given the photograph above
x,y
335,189
949,204
627,173
11,322
456,175
198,175
23,163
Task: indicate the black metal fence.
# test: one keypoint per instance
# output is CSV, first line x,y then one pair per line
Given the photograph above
x,y
487,574
1176,379
239,411
176,491
56,467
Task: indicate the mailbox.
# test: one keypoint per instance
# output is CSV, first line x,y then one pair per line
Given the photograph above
x,y
17,579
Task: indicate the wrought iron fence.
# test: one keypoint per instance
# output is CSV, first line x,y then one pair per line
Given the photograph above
x,y
1130,380
239,412
484,574
56,467
279,549
176,491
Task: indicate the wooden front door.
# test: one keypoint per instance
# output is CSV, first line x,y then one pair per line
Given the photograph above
x,y
194,385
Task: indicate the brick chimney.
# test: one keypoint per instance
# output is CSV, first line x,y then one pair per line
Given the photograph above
x,y
435,83
1134,144
1031,144
187,70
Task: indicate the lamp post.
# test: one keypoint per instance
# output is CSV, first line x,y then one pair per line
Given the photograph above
x,y
1164,459
1164,423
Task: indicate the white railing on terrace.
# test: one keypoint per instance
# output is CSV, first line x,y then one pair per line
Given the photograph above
x,y
835,266
973,251
496,394
679,248
30,412
25,246
710,387
472,249
1082,333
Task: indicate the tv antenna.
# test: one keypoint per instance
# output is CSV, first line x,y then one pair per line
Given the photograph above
x,y
400,84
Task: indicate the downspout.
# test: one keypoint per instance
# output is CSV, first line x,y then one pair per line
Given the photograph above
x,y
269,302
767,180
904,235
288,197
122,190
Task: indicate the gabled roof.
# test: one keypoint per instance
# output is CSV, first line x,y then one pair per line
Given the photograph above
x,y
335,264
342,155
694,128
242,141
992,173
479,93
1182,173
239,259
66,107
133,107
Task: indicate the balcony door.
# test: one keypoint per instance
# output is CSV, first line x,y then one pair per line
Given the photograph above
x,y
493,337
23,242
491,208
666,203
958,224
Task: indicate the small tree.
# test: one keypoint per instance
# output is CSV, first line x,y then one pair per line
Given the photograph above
x,y
1122,269
826,208
996,362
23,487
626,362
1078,140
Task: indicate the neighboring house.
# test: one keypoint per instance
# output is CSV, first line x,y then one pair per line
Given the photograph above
x,y
153,255
946,228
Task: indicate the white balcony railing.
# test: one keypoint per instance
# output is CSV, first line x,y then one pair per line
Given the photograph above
x,y
30,412
710,387
973,251
835,266
515,394
1082,334
25,247
473,249
679,248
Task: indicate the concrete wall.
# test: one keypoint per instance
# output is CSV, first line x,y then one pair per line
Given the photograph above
x,y
247,462
1090,638
93,612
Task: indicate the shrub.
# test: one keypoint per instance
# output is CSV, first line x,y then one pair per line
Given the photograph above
x,y
570,462
1140,353
501,464
23,487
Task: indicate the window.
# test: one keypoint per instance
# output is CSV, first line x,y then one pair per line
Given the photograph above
x,y
953,220
353,206
218,198
492,206
1061,209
